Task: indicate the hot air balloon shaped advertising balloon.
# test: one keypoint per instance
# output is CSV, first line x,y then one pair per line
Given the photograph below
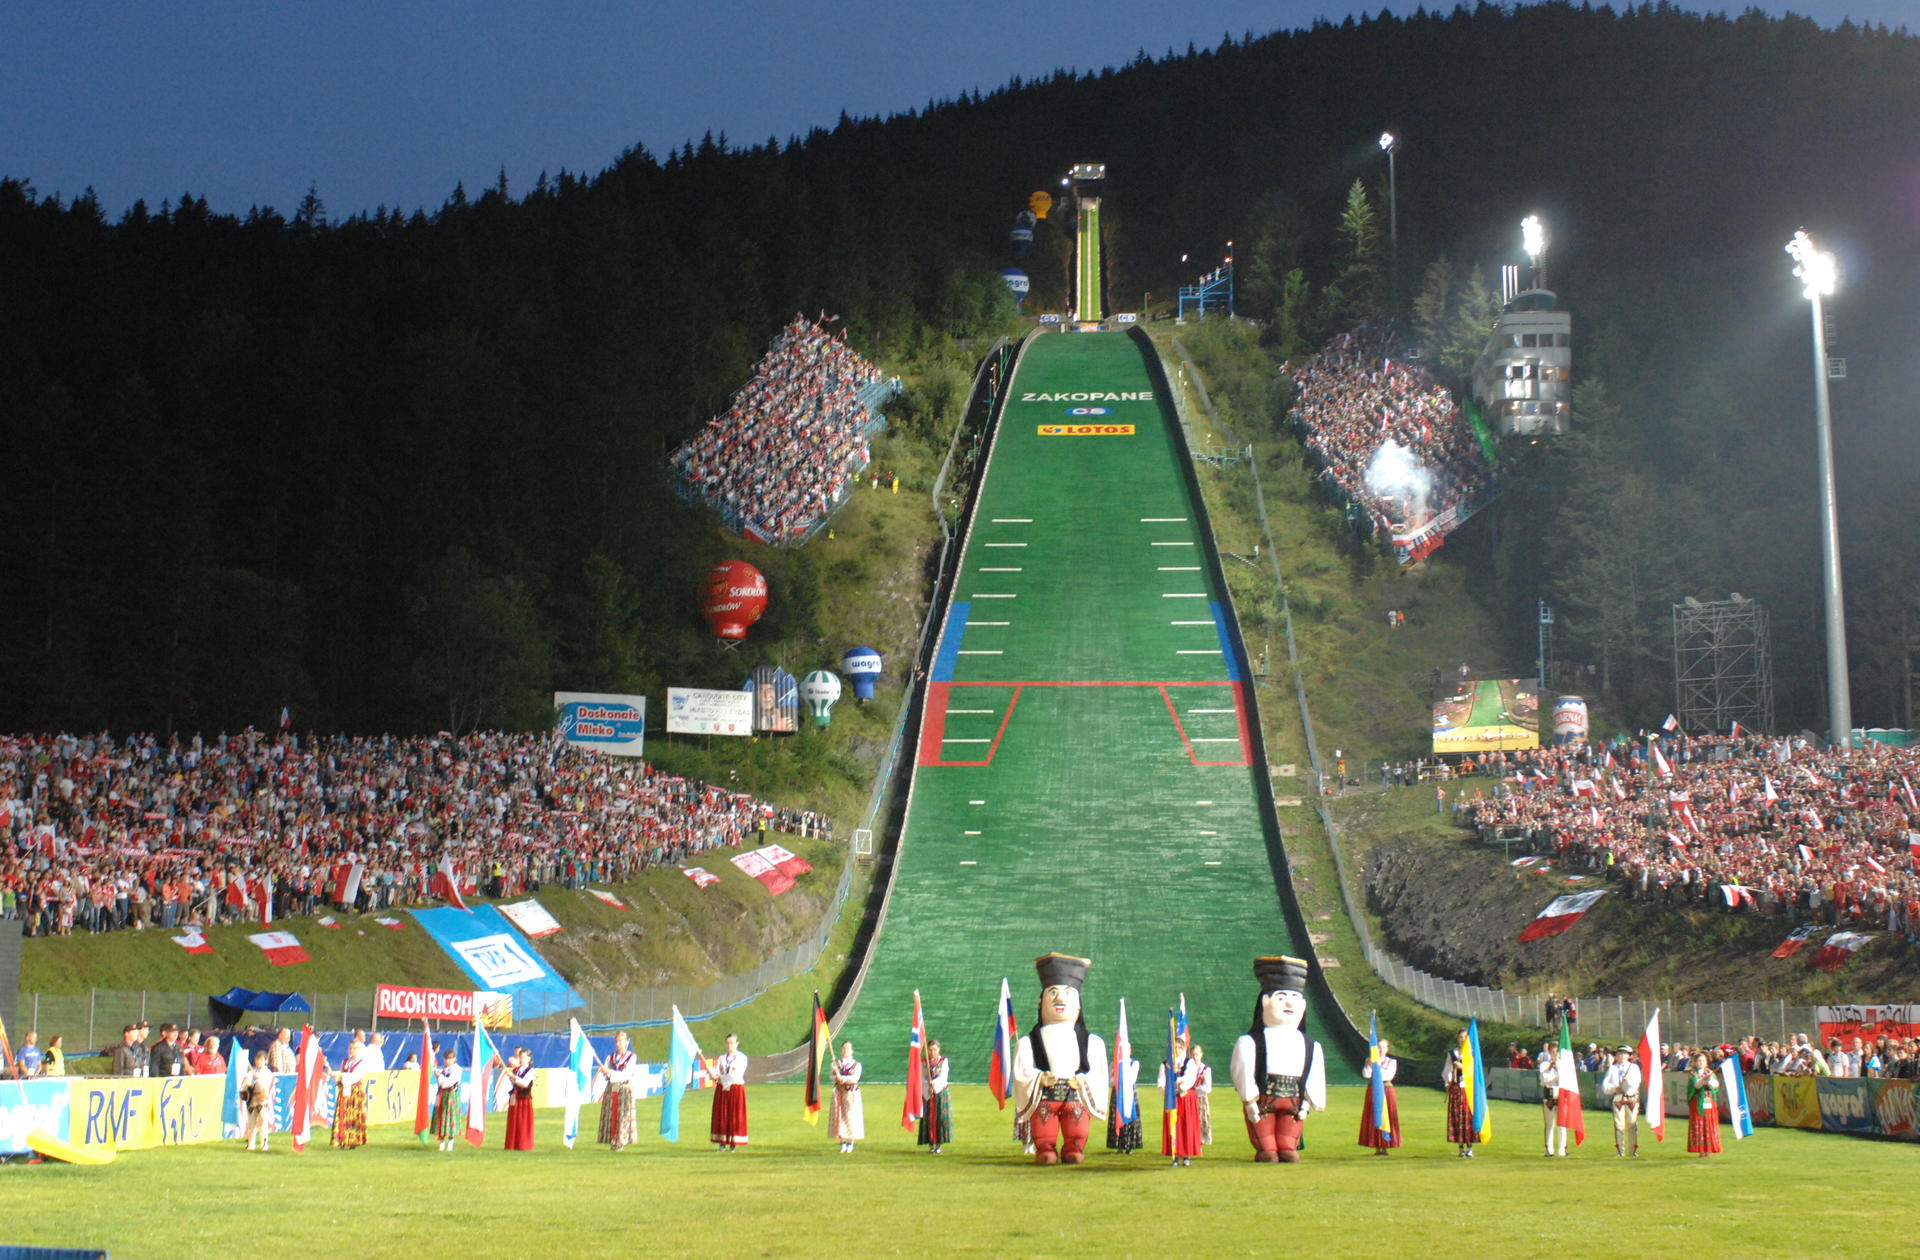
x,y
1017,283
1040,202
818,691
862,665
734,598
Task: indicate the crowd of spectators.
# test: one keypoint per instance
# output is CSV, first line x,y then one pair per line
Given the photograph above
x,y
99,833
1744,823
1883,1058
1353,399
779,461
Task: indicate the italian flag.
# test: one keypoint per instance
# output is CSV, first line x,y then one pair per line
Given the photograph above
x,y
1561,913
1568,1112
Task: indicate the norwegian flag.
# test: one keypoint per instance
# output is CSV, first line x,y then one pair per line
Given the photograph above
x,y
1795,939
916,1067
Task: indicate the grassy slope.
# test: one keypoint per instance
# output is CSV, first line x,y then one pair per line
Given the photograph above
x,y
791,1193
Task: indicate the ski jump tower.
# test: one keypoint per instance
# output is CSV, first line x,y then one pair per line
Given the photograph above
x,y
1086,180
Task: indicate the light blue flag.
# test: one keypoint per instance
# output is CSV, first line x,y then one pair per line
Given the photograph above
x,y
1739,1114
233,1113
580,1061
683,1056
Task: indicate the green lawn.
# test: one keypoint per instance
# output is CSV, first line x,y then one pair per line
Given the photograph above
x,y
791,1193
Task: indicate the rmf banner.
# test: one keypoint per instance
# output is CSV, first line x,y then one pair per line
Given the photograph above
x,y
616,725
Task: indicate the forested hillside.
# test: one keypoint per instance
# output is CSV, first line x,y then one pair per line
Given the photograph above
x,y
259,459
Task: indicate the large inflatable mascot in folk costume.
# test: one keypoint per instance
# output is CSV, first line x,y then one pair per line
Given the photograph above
x,y
1279,1075
1059,1068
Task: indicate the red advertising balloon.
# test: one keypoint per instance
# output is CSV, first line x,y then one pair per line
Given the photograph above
x,y
735,596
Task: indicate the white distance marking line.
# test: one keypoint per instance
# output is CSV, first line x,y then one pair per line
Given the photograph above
x,y
1163,520
999,569
1211,739
953,711
1179,568
971,623
1184,595
987,652
1170,544
1013,520
993,597
1196,651
955,739
1208,833
972,833
1212,863
1171,623
1190,710
976,802
964,862
1203,802
1005,544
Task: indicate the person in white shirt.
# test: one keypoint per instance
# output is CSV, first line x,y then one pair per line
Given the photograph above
x,y
1621,1088
1553,1130
728,1129
847,1119
1203,1095
617,1123
377,1052
1279,1075
1059,1068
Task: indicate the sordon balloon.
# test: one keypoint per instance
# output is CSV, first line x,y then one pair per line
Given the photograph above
x,y
733,599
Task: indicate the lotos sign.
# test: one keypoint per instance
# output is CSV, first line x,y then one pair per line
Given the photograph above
x,y
395,1001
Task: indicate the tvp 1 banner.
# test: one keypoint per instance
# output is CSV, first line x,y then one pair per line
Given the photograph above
x,y
1487,714
697,711
492,951
615,725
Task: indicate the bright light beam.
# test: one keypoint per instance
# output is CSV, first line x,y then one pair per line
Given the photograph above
x,y
1533,237
1813,267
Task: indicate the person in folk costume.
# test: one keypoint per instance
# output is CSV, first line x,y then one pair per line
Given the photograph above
x,y
1279,1075
1124,1135
256,1092
1180,1131
1554,1132
1621,1088
445,1120
1460,1130
847,1117
350,1096
1370,1134
1203,1095
519,1084
617,1123
729,1126
1703,1110
936,1105
1059,1067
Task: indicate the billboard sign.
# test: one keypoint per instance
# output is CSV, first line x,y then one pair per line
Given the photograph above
x,y
616,725
695,711
1487,714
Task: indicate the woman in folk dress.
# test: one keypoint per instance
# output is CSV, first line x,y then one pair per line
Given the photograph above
x,y
848,1119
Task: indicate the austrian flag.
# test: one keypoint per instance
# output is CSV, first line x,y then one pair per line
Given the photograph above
x,y
1561,913
281,948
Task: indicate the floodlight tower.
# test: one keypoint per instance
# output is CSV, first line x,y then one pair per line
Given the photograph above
x,y
1533,239
1390,144
1818,274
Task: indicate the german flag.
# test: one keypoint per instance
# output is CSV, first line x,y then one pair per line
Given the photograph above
x,y
819,1046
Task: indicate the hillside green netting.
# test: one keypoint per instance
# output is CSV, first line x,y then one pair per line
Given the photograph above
x,y
1112,812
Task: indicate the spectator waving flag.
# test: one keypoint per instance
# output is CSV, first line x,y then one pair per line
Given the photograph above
x,y
1650,1064
1660,761
446,884
1005,1032
916,1068
1560,914
1671,725
1567,1110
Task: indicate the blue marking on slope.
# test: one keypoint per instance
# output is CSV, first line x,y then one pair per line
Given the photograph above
x,y
1231,661
950,641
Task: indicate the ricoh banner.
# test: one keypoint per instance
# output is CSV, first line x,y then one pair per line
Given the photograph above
x,y
615,725
397,1001
694,711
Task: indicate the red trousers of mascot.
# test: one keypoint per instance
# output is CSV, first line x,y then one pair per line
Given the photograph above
x,y
1064,1122
1276,1134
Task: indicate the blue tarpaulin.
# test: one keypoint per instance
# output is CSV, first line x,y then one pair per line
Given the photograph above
x,y
227,1008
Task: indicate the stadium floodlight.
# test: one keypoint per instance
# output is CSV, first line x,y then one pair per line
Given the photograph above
x,y
1387,141
1818,275
1389,145
1533,237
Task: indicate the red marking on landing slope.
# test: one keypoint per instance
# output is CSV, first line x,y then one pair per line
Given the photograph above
x,y
933,724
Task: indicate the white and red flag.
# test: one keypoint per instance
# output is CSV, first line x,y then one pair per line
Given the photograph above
x,y
786,863
755,864
1671,725
1813,819
1913,845
1875,867
1907,788
309,1078
193,941
700,876
446,884
1006,1031
1838,950
1766,788
281,948
916,1068
1736,894
1660,761
1655,1108
328,922
1619,788
1795,939
1583,787
610,899
1561,913
345,889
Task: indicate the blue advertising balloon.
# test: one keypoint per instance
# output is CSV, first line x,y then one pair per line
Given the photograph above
x,y
862,666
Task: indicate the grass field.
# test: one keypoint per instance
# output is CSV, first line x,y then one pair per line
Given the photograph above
x,y
791,1193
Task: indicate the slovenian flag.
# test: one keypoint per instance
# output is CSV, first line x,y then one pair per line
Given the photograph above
x,y
819,1049
683,1058
1005,1032
1655,1108
484,1056
1473,1081
916,1068
1560,914
1739,1114
1126,1102
1567,1111
1377,1090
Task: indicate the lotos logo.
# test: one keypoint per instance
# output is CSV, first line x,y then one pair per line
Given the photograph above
x,y
1086,430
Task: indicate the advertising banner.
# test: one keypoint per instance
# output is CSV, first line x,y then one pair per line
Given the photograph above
x,y
696,711
1867,1022
616,725
405,1002
1893,1109
1488,714
117,1113
532,918
492,951
1760,1098
29,1105
1796,1105
776,699
1846,1105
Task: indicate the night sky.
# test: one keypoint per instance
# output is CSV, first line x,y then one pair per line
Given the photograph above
x,y
393,102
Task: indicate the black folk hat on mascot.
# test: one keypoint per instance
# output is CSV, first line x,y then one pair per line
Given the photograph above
x,y
1062,969
1278,971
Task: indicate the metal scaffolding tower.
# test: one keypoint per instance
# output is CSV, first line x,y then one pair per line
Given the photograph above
x,y
1722,665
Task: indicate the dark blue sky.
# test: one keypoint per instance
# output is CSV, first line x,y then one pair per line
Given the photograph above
x,y
251,101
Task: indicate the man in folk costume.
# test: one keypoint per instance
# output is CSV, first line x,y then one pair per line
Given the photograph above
x,y
1550,1099
728,1129
1059,1068
617,1124
847,1119
1621,1088
1280,1075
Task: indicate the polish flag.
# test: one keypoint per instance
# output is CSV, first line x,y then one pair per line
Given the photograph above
x,y
263,898
1795,939
755,863
1912,801
1736,894
1805,854
1656,1105
237,896
309,1078
1875,867
609,898
1561,913
1913,845
1583,787
281,948
1813,819
1839,949
787,863
700,876
1767,791
194,942
446,884
392,925
1660,762
346,882
1671,725
328,922
1619,788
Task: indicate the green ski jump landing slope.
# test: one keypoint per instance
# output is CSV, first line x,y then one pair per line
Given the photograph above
x,y
1082,782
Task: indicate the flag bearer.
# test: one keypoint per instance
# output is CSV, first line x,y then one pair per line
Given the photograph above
x,y
1552,1130
848,1119
1621,1088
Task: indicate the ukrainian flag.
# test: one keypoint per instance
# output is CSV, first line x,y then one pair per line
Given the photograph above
x,y
1473,1079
